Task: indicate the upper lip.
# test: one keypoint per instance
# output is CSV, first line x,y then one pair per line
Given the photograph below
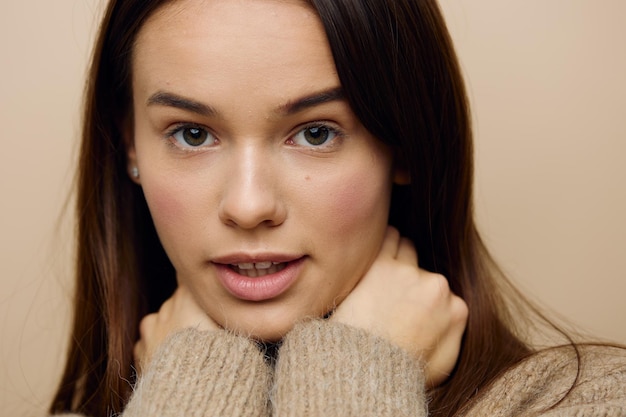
x,y
239,258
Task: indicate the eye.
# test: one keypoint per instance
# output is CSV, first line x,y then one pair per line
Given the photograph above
x,y
315,135
191,136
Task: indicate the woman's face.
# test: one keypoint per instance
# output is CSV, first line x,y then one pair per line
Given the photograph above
x,y
269,196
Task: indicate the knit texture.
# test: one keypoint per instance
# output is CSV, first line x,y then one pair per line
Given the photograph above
x,y
536,386
330,369
203,374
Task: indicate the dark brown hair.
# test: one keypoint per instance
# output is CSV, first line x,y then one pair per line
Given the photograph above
x,y
400,74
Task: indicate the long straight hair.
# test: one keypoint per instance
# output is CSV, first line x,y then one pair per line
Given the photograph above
x,y
400,74
397,64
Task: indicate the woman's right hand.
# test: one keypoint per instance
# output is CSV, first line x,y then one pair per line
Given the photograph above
x,y
410,307
178,312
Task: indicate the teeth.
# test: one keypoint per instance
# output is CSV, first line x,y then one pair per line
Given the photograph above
x,y
259,269
258,265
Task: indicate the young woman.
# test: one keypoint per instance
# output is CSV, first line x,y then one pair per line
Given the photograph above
x,y
275,218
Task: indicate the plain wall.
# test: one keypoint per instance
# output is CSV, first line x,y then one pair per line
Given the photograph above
x,y
547,81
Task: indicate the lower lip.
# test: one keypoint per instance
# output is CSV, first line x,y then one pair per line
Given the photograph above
x,y
259,288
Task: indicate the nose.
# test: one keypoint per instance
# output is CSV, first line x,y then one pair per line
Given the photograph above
x,y
250,196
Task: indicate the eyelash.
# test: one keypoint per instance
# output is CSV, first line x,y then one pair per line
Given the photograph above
x,y
337,135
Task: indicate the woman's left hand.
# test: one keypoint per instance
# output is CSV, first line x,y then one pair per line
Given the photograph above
x,y
412,308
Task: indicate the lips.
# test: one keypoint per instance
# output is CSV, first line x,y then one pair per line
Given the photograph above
x,y
258,278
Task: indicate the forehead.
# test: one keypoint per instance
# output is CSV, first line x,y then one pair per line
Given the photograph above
x,y
239,40
222,11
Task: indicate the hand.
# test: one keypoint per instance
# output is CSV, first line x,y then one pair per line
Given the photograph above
x,y
412,308
178,312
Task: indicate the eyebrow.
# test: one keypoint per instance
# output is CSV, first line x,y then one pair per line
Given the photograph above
x,y
303,103
163,98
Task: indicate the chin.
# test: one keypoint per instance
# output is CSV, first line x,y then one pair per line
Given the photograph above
x,y
261,332
269,326
270,335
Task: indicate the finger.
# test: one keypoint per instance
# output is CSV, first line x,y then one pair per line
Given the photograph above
x,y
390,242
407,252
459,312
445,357
139,351
147,324
447,350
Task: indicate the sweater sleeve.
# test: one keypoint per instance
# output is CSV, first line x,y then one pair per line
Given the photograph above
x,y
203,374
330,369
553,383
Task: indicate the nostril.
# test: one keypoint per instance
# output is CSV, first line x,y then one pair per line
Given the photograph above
x,y
262,210
251,191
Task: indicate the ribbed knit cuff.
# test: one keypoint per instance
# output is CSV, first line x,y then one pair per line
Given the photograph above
x,y
203,374
330,369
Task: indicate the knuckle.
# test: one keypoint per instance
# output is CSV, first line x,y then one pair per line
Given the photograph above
x,y
138,351
167,305
442,281
147,323
393,233
460,310
439,283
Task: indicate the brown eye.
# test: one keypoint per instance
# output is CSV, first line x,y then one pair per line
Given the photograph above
x,y
192,137
315,135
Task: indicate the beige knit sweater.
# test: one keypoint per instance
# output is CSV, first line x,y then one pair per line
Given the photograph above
x,y
329,369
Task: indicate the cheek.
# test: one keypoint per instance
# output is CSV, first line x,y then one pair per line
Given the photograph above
x,y
356,201
172,207
166,201
352,215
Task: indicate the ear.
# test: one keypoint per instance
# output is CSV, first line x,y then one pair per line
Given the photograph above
x,y
132,167
401,174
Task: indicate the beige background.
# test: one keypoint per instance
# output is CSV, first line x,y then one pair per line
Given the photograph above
x,y
548,85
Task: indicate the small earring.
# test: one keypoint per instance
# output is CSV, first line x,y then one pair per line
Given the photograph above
x,y
134,171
